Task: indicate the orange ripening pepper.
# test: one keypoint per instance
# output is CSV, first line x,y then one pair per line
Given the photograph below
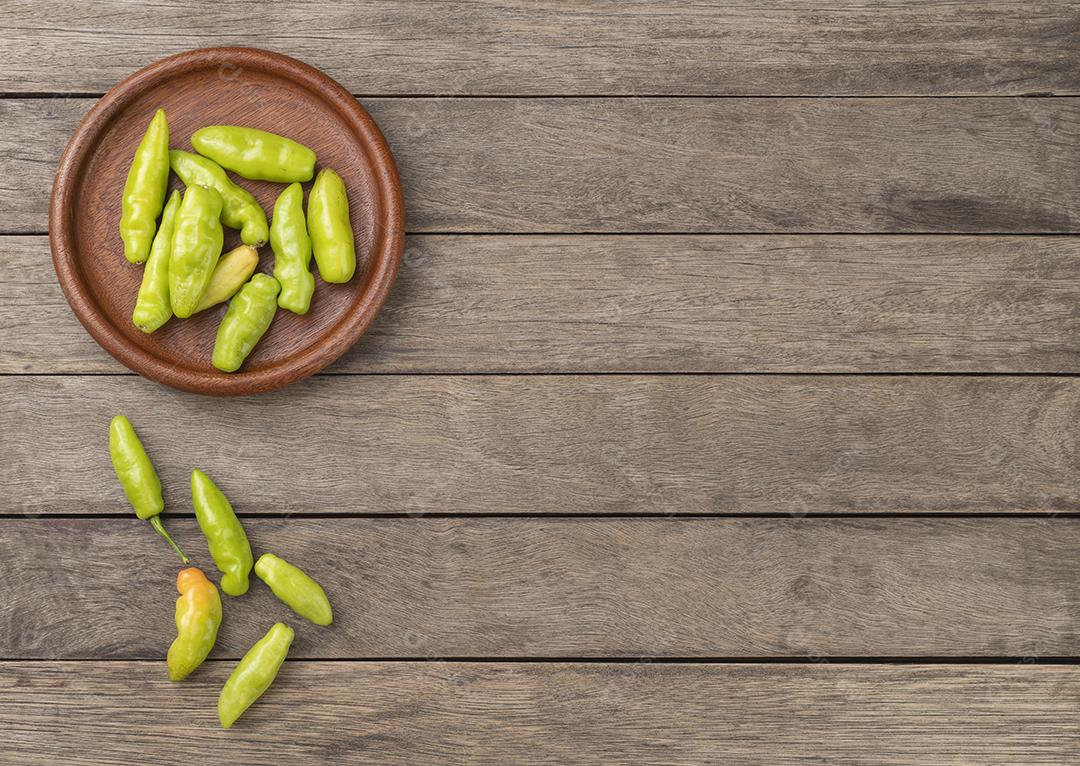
x,y
198,617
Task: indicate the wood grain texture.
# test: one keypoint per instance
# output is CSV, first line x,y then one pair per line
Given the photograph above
x,y
409,713
680,165
561,444
86,603
806,588
730,303
508,48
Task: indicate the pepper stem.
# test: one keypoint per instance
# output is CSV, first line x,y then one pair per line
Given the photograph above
x,y
155,522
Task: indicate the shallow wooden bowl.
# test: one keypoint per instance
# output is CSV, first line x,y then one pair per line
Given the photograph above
x,y
230,86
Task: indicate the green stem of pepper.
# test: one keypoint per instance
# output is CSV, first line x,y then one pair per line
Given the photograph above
x,y
155,522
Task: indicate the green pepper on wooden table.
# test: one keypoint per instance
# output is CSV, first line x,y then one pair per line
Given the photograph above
x,y
196,247
145,188
253,676
198,617
246,320
232,271
292,251
255,154
329,228
152,305
240,210
138,477
225,536
295,588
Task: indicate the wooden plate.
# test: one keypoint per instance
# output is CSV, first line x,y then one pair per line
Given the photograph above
x,y
231,86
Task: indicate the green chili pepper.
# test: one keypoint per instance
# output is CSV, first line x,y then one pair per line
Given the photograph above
x,y
240,210
294,587
247,318
198,617
138,477
152,306
292,251
196,247
144,191
253,676
232,271
225,535
329,227
255,154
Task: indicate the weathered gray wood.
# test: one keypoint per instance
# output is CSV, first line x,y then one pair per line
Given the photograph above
x,y
560,444
100,589
683,165
524,47
728,303
807,588
506,714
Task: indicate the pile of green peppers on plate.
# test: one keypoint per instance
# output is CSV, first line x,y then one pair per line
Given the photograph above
x,y
185,271
198,611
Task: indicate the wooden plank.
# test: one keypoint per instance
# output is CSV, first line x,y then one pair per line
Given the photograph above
x,y
561,444
801,588
730,303
520,47
513,713
681,165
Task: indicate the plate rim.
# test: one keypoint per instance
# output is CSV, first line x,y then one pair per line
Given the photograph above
x,y
297,366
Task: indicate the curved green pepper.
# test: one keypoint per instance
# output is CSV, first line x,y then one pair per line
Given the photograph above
x,y
329,227
144,190
240,210
247,318
138,477
198,617
196,247
292,251
232,271
295,588
255,154
225,535
253,676
152,306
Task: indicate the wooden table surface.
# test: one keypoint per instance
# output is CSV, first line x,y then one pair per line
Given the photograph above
x,y
726,409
